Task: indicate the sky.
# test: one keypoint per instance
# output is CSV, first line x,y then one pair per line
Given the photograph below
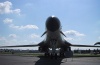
x,y
23,22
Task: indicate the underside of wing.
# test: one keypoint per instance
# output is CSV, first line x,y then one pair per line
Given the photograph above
x,y
75,45
20,46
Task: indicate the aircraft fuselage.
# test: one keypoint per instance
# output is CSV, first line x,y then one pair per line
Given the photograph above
x,y
54,37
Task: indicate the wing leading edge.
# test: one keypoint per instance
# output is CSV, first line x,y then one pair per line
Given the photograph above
x,y
20,46
83,45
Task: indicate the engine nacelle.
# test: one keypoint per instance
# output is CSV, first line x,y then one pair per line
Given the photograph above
x,y
40,49
66,51
43,49
68,54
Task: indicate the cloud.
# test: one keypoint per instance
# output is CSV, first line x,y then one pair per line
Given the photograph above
x,y
12,35
69,38
34,36
23,40
73,33
23,27
5,8
8,21
2,38
5,41
17,11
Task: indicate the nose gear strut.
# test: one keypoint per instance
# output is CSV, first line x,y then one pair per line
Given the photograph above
x,y
53,47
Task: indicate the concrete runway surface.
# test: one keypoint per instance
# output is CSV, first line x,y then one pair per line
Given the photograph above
x,y
27,60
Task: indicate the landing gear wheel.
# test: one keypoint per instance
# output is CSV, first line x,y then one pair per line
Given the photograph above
x,y
46,54
55,55
62,55
51,56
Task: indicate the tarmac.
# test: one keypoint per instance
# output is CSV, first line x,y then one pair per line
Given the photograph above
x,y
40,60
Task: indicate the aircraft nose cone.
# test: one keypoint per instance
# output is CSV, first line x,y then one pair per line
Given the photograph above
x,y
52,23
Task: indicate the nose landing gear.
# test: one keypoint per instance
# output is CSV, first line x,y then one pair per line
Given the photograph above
x,y
53,55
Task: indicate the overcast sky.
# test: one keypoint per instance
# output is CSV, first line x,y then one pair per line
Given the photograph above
x,y
23,21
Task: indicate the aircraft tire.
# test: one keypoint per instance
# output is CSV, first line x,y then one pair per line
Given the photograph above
x,y
55,55
51,56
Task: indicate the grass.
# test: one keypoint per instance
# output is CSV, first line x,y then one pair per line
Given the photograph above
x,y
86,55
29,54
22,54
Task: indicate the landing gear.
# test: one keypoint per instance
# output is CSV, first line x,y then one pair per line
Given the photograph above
x,y
53,55
46,54
62,54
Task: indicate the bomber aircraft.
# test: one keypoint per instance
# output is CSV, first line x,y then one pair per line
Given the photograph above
x,y
54,44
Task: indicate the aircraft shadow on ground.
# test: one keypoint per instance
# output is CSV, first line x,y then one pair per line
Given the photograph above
x,y
48,61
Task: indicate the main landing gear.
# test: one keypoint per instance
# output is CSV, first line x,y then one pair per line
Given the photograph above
x,y
51,55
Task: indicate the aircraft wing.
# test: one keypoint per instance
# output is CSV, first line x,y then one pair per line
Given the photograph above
x,y
20,46
97,43
75,45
